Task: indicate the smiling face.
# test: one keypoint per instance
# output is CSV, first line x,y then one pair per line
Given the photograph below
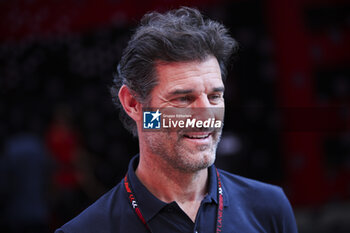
x,y
190,85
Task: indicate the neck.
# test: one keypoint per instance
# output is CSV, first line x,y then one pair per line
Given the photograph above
x,y
169,184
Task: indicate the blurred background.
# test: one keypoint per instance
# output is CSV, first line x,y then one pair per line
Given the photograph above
x,y
287,104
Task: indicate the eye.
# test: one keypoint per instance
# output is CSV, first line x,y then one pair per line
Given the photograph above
x,y
215,97
182,100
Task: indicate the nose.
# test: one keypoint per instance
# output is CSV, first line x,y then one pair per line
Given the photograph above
x,y
201,102
201,108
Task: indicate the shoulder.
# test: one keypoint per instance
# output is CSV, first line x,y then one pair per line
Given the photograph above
x,y
238,185
254,193
262,202
98,214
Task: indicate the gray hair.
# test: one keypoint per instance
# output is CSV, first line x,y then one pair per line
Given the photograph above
x,y
176,36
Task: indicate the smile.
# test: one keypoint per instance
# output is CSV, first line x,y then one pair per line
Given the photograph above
x,y
197,136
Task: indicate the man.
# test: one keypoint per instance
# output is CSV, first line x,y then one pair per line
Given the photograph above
x,y
177,61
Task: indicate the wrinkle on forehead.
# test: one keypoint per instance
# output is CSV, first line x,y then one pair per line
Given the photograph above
x,y
174,72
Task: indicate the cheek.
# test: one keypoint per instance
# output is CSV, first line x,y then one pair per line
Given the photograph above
x,y
219,113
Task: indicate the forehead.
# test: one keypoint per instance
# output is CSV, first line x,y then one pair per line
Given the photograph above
x,y
196,73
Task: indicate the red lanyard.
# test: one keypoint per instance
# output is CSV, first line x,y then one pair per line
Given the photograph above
x,y
137,210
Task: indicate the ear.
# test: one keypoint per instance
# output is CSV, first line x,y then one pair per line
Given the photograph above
x,y
131,106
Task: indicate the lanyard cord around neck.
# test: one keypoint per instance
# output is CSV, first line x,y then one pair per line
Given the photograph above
x,y
137,210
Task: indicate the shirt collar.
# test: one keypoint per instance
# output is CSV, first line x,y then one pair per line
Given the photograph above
x,y
151,205
213,186
148,203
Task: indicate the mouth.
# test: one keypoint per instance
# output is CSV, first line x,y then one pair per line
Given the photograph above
x,y
197,136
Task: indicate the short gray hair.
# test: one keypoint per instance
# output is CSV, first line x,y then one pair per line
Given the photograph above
x,y
176,36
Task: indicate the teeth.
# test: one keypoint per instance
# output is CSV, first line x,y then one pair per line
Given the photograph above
x,y
198,137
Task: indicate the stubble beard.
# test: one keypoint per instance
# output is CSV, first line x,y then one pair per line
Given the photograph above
x,y
178,155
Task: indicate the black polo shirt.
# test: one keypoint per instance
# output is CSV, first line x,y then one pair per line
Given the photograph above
x,y
249,206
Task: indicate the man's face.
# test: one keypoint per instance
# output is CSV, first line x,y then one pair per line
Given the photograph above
x,y
190,85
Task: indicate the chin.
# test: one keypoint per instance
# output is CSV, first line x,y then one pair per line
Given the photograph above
x,y
202,160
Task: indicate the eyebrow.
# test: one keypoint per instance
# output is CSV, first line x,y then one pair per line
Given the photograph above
x,y
181,91
219,89
188,91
